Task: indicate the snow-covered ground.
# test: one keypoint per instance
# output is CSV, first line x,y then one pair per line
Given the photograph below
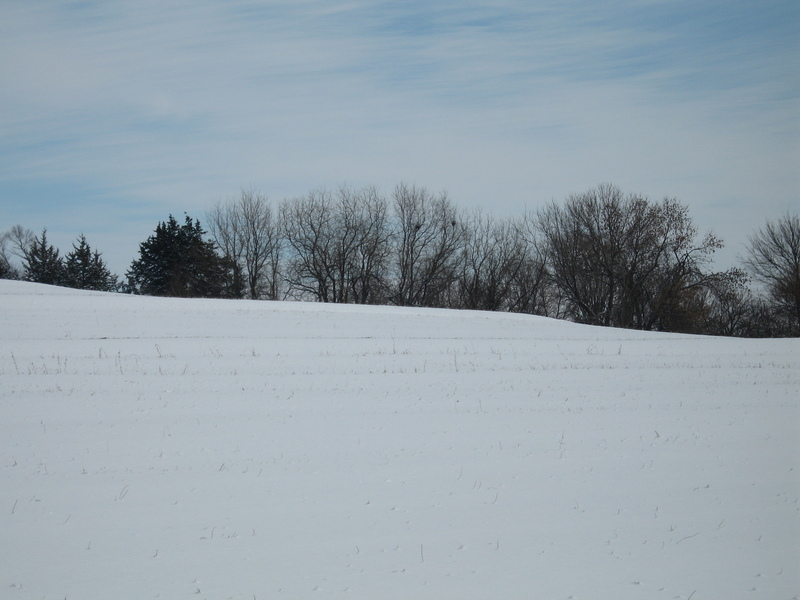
x,y
164,448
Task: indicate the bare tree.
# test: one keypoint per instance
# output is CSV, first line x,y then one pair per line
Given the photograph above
x,y
429,237
493,258
626,262
308,230
7,268
573,263
668,270
246,231
774,260
225,228
532,291
20,240
338,245
363,224
262,246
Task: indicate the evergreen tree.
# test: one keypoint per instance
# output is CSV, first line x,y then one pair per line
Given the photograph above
x,y
178,261
43,263
6,271
86,270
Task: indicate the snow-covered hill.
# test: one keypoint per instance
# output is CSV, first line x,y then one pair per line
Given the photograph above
x,y
164,448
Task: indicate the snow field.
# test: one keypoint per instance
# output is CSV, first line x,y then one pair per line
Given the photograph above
x,y
162,448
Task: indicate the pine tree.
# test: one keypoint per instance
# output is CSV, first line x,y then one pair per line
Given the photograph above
x,y
43,263
86,270
177,261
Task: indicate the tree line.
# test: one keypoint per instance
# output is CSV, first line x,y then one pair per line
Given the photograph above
x,y
81,268
601,257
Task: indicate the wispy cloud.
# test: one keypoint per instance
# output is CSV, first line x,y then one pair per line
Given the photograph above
x,y
114,114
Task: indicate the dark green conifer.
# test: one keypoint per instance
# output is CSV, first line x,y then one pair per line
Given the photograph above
x,y
178,261
86,270
42,262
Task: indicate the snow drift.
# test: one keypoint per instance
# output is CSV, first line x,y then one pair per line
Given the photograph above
x,y
164,448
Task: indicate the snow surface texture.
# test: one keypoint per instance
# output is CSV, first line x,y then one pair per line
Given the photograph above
x,y
164,448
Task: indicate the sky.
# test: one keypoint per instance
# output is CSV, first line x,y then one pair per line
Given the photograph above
x,y
114,115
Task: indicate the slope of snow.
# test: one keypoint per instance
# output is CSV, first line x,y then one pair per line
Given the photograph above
x,y
164,448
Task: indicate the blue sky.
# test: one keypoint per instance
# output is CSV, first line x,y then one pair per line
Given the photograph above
x,y
114,114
